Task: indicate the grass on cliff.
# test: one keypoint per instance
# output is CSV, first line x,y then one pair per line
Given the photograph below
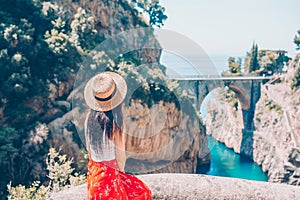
x,y
60,174
296,80
271,105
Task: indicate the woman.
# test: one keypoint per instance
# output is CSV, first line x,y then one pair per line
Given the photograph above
x,y
104,138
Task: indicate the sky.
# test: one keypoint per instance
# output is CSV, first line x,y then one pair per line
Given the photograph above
x,y
229,28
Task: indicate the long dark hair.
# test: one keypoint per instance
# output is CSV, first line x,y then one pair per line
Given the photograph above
x,y
101,126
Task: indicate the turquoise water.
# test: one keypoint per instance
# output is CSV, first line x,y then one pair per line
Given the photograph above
x,y
225,162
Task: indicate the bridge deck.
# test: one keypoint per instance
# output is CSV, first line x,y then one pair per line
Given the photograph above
x,y
219,78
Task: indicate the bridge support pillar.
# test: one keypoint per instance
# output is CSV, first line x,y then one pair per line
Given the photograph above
x,y
247,144
248,116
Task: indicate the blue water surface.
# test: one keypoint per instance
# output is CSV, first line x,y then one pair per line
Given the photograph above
x,y
225,162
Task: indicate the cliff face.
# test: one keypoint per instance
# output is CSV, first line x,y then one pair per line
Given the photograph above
x,y
164,138
276,144
223,121
276,141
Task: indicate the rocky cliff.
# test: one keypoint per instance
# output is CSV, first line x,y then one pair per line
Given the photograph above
x,y
276,144
223,118
163,138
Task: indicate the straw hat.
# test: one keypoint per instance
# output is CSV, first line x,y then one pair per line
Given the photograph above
x,y
105,91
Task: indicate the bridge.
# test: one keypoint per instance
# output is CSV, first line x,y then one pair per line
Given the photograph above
x,y
218,78
247,90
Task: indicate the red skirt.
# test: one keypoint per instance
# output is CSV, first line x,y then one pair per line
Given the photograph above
x,y
105,181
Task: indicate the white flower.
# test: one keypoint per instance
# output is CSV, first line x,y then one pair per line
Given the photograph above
x,y
57,41
15,36
47,6
93,66
17,85
59,23
14,75
25,76
35,2
3,53
27,37
39,134
56,50
81,26
42,130
17,57
90,19
9,31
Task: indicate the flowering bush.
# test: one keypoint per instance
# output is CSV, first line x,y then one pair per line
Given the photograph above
x,y
83,31
60,177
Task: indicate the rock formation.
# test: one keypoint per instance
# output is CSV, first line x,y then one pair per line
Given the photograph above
x,y
164,139
276,141
198,187
222,118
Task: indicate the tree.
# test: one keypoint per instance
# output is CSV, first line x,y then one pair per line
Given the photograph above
x,y
153,9
297,40
246,64
254,65
9,151
234,66
36,50
296,80
271,61
156,14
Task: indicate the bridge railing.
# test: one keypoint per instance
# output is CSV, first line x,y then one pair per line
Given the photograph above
x,y
218,77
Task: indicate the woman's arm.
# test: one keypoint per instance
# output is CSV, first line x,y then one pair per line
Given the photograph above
x,y
87,143
119,140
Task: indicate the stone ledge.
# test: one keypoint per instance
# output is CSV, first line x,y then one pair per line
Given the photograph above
x,y
197,187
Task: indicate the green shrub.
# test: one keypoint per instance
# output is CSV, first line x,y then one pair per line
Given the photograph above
x,y
35,192
60,177
271,105
296,80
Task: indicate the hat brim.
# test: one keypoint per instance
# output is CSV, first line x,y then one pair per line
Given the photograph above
x,y
117,99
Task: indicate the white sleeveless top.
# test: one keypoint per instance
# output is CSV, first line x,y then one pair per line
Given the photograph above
x,y
103,151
